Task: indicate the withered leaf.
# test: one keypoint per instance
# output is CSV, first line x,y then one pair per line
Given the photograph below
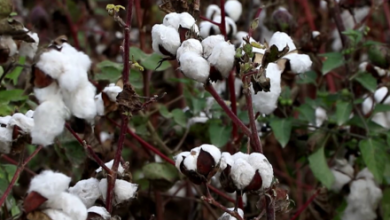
x,y
128,99
38,215
109,106
272,54
260,82
33,201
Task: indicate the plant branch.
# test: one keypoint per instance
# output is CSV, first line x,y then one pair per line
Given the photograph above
x,y
222,25
220,206
307,203
252,121
13,162
16,175
270,208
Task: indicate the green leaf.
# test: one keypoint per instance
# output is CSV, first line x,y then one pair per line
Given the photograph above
x,y
219,134
281,128
343,111
308,78
109,71
10,170
198,105
15,73
374,155
179,117
332,61
12,95
151,62
320,168
137,53
136,79
381,108
308,113
164,111
158,171
243,116
74,152
367,81
386,204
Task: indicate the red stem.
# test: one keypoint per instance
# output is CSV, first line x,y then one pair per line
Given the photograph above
x,y
159,205
386,9
206,19
11,161
307,203
125,78
309,16
217,191
222,25
16,175
233,102
257,147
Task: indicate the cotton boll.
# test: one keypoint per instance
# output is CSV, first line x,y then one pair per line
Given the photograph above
x,y
29,49
367,105
281,40
166,40
101,211
49,184
29,113
53,63
82,101
49,121
109,165
380,94
227,216
186,20
72,78
238,38
190,162
340,180
212,10
260,163
8,42
87,190
213,151
320,116
172,20
343,166
69,204
56,214
222,58
226,159
179,158
233,9
112,91
22,121
382,119
5,138
265,102
80,58
366,174
241,155
242,173
99,104
231,27
51,92
209,43
123,190
299,63
207,29
195,67
192,45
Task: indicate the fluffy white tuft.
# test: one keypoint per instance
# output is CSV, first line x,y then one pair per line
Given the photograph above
x,y
99,104
233,9
226,159
166,37
49,184
214,151
72,79
87,190
205,28
340,180
321,116
212,10
195,67
100,210
281,40
56,214
380,95
265,102
82,101
192,45
222,58
112,91
8,42
29,113
29,49
22,121
240,155
299,63
53,63
5,135
227,216
186,20
123,190
179,158
172,20
109,165
79,59
49,120
209,43
51,92
242,173
260,163
69,204
231,27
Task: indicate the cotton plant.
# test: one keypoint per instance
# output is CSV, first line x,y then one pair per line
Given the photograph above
x,y
380,96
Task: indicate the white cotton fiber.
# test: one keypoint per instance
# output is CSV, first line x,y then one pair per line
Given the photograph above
x,y
179,158
299,63
233,9
5,135
87,190
49,121
165,37
210,42
242,173
69,204
112,91
80,59
186,20
226,159
222,58
321,116
205,28
192,45
29,49
266,102
172,20
8,42
23,122
109,165
72,79
49,184
214,151
260,163
340,180
100,210
81,102
56,214
281,40
227,216
99,104
51,92
212,10
241,155
53,63
123,190
195,67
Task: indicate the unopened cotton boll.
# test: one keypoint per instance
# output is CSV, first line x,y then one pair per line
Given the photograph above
x,y
123,190
222,58
265,102
209,43
233,9
49,184
194,66
87,190
212,10
165,40
109,165
56,214
260,163
191,45
281,40
69,204
101,211
112,91
23,122
29,49
49,121
242,173
227,216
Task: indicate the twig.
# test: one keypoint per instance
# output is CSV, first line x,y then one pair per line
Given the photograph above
x,y
16,175
307,203
220,206
270,208
159,205
386,9
13,162
255,137
125,78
